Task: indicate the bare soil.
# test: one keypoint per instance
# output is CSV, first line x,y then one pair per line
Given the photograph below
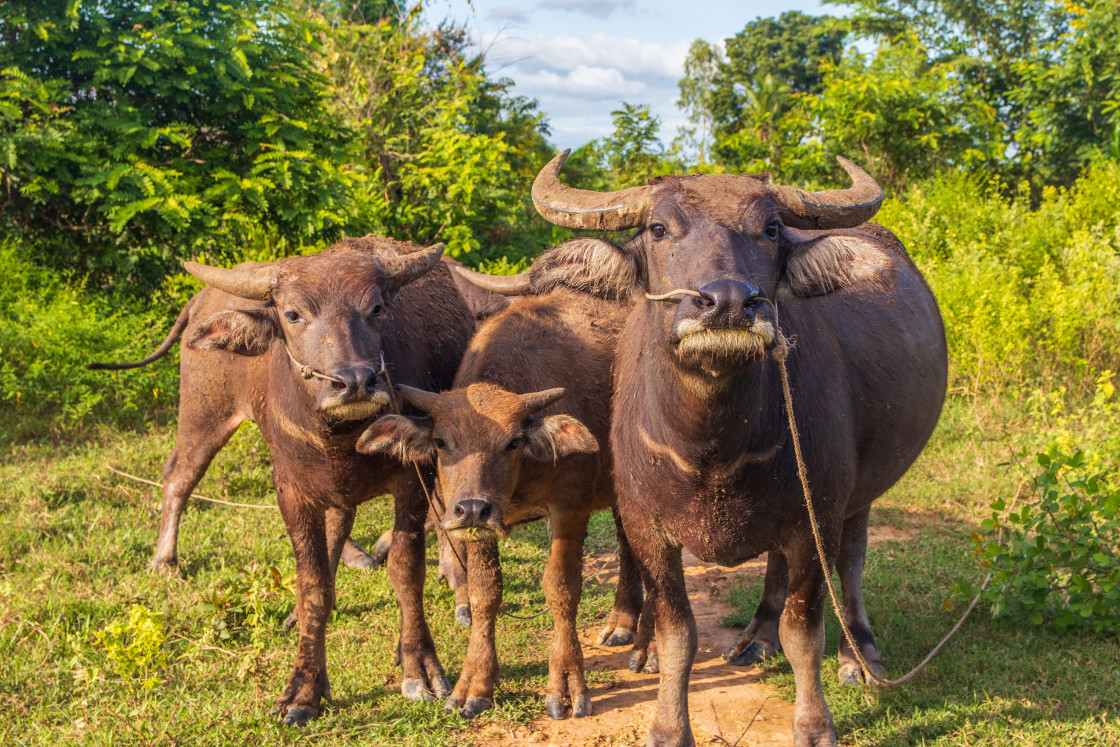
x,y
728,705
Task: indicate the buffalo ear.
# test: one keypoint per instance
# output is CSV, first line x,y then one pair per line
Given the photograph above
x,y
594,266
404,438
552,437
828,263
249,332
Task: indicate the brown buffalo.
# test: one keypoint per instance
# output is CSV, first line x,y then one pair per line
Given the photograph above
x,y
298,346
702,452
518,439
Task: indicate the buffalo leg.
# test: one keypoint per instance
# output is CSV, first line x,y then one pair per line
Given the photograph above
x,y
853,551
452,555
308,684
422,674
474,692
622,623
760,639
675,628
802,634
356,557
563,584
339,524
197,441
641,659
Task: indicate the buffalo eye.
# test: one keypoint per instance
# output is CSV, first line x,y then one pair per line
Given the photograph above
x,y
376,310
658,230
292,316
513,444
440,443
772,230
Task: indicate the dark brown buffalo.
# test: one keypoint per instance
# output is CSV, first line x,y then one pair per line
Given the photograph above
x,y
702,450
259,341
518,439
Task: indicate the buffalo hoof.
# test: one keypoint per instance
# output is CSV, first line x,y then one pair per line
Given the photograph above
x,y
463,615
615,637
165,566
471,708
851,673
299,715
651,666
754,653
637,660
554,707
292,619
357,558
381,547
418,689
581,706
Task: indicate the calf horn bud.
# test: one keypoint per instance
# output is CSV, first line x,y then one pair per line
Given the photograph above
x,y
506,285
402,270
251,280
585,208
418,398
540,400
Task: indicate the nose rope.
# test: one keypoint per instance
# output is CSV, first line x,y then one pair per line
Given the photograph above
x,y
678,292
307,371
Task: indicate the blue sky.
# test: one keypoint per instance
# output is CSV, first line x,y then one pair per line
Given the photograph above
x,y
581,58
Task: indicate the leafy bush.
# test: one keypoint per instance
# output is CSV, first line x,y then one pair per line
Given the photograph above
x,y
50,329
1028,294
131,650
1058,560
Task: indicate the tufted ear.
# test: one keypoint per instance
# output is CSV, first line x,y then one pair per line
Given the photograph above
x,y
593,266
404,438
552,437
249,332
828,263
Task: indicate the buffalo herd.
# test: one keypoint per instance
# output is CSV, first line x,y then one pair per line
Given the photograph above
x,y
640,377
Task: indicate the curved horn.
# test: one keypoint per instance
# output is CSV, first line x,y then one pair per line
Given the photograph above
x,y
540,400
585,208
254,282
402,270
833,208
506,285
418,398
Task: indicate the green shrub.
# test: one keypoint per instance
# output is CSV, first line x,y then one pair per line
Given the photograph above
x,y
1055,557
50,329
1029,295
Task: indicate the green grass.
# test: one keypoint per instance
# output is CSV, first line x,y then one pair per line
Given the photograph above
x,y
75,542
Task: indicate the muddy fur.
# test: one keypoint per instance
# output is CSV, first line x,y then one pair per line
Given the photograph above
x,y
249,332
589,265
833,262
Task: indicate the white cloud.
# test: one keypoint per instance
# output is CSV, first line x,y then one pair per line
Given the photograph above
x,y
596,8
507,14
579,80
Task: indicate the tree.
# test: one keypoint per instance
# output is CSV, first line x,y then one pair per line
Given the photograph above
x,y
633,150
700,68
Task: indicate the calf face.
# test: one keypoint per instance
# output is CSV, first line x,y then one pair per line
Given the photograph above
x,y
478,436
327,310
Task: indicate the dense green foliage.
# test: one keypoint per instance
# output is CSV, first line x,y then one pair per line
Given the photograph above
x,y
1029,89
137,134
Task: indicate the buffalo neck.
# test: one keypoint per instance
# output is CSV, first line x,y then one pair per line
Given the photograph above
x,y
690,406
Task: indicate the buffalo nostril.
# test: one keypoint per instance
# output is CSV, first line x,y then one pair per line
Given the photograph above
x,y
459,511
339,385
371,382
703,302
484,512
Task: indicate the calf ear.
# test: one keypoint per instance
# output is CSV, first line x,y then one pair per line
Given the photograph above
x,y
555,436
594,266
403,438
248,332
828,263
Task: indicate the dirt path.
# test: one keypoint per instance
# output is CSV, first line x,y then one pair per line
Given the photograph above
x,y
728,705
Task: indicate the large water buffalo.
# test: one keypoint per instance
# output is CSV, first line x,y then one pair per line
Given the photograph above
x,y
702,450
518,439
298,346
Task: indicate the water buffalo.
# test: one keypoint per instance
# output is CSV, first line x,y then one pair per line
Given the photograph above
x,y
298,346
518,439
702,452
